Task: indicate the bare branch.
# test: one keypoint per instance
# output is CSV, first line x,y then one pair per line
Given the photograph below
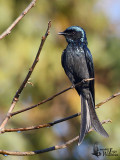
x,y
60,120
50,98
59,93
57,121
8,30
4,152
16,97
41,125
108,99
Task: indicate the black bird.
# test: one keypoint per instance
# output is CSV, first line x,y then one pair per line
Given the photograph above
x,y
78,65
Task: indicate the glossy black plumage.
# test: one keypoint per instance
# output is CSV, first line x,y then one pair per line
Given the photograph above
x,y
78,65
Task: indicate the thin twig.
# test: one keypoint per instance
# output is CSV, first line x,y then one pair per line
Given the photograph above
x,y
30,153
51,98
8,30
108,99
16,97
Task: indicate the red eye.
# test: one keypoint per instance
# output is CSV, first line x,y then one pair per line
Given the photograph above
x,y
73,32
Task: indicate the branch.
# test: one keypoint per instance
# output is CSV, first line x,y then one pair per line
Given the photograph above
x,y
59,120
4,152
108,99
41,125
52,97
16,97
8,30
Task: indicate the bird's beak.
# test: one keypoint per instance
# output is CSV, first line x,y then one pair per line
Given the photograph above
x,y
61,33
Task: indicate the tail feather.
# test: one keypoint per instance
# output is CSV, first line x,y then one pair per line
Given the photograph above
x,y
94,119
89,118
85,119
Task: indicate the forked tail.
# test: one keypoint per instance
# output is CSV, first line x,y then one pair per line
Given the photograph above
x,y
89,118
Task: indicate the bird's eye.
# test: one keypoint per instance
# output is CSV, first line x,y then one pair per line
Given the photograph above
x,y
73,32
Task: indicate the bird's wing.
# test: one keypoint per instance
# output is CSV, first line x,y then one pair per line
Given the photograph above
x,y
90,66
67,69
74,63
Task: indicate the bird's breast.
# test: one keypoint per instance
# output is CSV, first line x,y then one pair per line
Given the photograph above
x,y
75,56
75,62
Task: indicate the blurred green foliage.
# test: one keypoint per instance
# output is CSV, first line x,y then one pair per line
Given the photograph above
x,y
17,52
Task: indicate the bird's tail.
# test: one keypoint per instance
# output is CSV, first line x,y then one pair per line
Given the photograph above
x,y
89,118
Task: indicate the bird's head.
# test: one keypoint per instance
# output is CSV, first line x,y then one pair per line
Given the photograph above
x,y
74,34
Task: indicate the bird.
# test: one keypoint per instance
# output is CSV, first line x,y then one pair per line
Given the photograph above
x,y
77,63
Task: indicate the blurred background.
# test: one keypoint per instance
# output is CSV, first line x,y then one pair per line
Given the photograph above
x,y
101,21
